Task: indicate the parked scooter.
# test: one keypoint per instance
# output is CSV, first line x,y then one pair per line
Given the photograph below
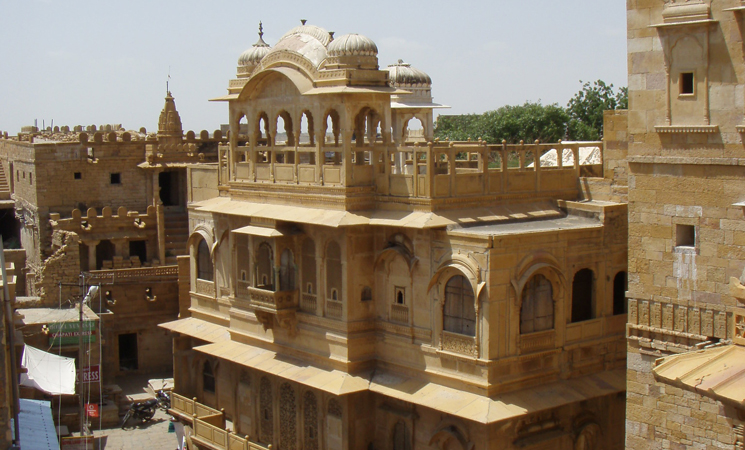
x,y
141,411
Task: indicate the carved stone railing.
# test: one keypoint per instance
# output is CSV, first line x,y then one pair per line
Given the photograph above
x,y
187,408
459,343
135,274
272,301
399,313
241,289
209,425
205,287
308,303
334,309
273,307
538,341
654,319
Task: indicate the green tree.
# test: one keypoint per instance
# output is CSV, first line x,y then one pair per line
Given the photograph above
x,y
586,108
526,122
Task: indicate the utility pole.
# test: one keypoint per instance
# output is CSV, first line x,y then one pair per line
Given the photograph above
x,y
10,325
81,283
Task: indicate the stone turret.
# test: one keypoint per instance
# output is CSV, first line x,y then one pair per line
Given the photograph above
x,y
169,123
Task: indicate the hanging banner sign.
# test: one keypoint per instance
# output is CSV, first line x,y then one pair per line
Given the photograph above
x,y
91,409
68,333
91,374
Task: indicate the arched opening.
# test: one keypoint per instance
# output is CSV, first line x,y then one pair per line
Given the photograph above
x,y
401,436
413,130
459,312
620,286
262,130
306,140
583,292
264,267
332,140
333,270
104,252
208,378
285,133
242,139
309,266
287,271
204,262
537,311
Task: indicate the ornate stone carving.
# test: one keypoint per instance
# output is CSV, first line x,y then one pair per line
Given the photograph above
x,y
287,418
205,288
459,344
335,408
310,421
266,411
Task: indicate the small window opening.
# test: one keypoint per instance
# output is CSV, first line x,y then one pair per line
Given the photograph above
x,y
31,178
264,280
208,378
334,295
686,83
309,288
78,175
400,297
243,275
685,236
116,178
366,295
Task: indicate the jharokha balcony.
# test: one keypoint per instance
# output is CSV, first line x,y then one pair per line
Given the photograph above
x,y
269,305
209,426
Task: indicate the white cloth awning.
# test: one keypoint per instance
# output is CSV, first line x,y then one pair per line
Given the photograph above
x,y
36,425
48,372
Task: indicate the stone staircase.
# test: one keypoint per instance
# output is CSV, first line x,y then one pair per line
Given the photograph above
x,y
4,185
177,233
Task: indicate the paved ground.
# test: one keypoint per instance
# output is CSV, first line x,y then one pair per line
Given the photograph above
x,y
150,435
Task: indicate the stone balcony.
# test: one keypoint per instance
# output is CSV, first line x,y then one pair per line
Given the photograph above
x,y
208,425
270,306
426,175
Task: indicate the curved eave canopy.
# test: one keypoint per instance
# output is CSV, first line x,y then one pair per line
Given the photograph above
x,y
302,83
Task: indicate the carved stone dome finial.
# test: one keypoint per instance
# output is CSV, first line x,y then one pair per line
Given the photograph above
x,y
254,55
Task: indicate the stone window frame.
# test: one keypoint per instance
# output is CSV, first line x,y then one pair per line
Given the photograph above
x,y
450,342
462,299
593,295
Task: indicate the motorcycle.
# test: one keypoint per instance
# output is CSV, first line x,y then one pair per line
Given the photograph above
x,y
164,400
141,411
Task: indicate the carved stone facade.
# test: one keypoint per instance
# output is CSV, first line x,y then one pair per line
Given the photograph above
x,y
379,285
685,156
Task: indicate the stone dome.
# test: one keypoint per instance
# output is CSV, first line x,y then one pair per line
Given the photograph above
x,y
352,45
310,30
254,55
402,74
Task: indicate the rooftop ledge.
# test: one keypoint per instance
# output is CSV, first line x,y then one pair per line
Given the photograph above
x,y
669,129
684,23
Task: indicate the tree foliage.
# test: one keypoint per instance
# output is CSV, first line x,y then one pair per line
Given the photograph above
x,y
582,119
586,108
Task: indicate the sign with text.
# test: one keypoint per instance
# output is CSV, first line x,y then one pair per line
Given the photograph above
x,y
68,333
91,374
76,443
91,409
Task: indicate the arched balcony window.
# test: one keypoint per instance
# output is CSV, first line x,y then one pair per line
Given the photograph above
x,y
459,313
537,311
205,271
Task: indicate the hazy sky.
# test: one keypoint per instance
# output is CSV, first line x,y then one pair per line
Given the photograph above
x,y
98,62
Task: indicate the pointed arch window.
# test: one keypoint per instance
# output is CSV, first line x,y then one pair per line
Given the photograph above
x,y
204,262
459,313
537,311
